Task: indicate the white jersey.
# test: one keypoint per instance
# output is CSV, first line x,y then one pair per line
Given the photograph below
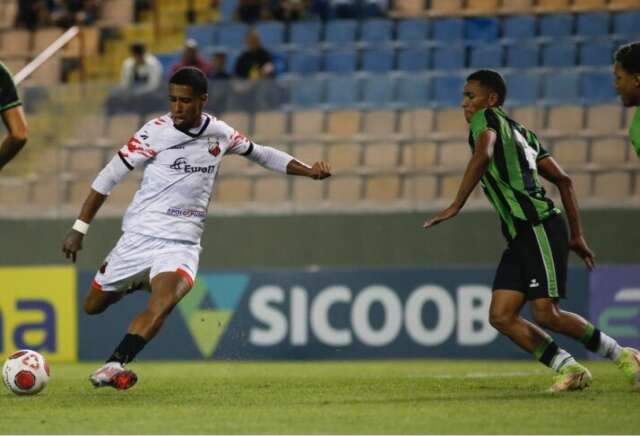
x,y
180,170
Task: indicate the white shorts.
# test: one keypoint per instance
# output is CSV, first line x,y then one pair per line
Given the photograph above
x,y
137,259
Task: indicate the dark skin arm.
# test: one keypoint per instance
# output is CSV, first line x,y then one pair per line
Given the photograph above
x,y
16,124
550,170
319,170
475,170
73,239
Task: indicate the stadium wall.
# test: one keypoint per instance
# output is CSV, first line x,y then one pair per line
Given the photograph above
x,y
329,240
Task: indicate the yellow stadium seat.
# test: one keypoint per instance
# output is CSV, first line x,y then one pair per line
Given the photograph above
x,y
589,5
344,190
121,127
516,6
271,189
239,121
49,73
379,123
565,118
233,190
532,117
450,186
308,192
381,155
570,151
85,160
43,38
117,12
424,188
15,42
408,8
233,163
623,4
582,184
420,155
270,124
8,12
344,156
344,123
309,153
612,185
481,7
454,153
46,193
417,123
609,151
445,7
553,5
605,118
307,123
451,121
383,188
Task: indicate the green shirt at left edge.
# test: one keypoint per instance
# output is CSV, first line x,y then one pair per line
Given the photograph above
x,y
634,132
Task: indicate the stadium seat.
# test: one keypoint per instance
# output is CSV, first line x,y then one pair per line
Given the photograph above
x,y
481,29
345,123
612,185
582,184
516,6
376,31
570,151
519,26
414,90
626,23
609,151
532,117
43,38
448,29
449,57
622,4
240,121
344,156
523,56
342,91
561,88
556,25
383,188
447,91
232,35
87,128
381,155
379,122
424,187
307,123
340,32
604,118
597,87
307,92
412,30
344,190
523,88
233,190
420,155
589,5
305,33
272,124
271,33
85,160
565,118
450,120
455,154
408,8
15,42
486,56
595,53
228,9
561,54
416,123
593,24
378,60
204,34
307,193
341,61
414,59
444,7
552,5
271,189
378,90
481,7
234,164
305,62
122,127
449,186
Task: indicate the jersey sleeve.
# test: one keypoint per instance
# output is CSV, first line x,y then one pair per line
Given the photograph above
x,y
482,120
144,144
236,142
533,140
8,92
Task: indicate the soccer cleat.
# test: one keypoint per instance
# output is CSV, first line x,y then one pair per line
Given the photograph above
x,y
629,364
571,378
113,374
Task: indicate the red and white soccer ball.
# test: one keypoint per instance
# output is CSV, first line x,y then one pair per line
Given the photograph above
x,y
25,372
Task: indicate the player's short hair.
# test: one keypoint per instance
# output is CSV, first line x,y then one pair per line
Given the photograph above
x,y
492,80
193,77
629,57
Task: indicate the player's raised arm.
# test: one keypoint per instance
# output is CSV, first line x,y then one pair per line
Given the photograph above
x,y
16,138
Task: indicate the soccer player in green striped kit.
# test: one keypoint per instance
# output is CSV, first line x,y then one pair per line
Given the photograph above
x,y
627,81
507,159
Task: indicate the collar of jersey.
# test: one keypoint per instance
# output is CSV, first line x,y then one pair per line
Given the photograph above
x,y
200,132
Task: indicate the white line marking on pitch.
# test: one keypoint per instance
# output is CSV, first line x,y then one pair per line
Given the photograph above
x,y
479,375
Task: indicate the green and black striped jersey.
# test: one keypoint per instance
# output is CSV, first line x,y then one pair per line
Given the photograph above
x,y
511,180
8,93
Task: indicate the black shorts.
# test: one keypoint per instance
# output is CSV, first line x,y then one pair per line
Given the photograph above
x,y
535,262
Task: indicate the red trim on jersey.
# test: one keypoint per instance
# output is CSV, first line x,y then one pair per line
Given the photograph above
x,y
96,285
186,275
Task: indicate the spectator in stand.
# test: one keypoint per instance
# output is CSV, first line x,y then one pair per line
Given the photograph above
x,y
289,10
255,62
191,58
344,8
67,13
140,80
375,8
250,11
219,67
33,13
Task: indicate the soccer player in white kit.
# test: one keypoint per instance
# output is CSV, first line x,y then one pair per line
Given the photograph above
x,y
159,249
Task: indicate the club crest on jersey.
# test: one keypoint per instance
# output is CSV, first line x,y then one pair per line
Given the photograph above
x,y
214,147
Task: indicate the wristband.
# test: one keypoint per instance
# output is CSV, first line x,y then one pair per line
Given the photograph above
x,y
81,226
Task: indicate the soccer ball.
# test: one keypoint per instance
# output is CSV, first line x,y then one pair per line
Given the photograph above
x,y
25,372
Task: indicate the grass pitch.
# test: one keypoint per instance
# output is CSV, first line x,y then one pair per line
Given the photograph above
x,y
399,397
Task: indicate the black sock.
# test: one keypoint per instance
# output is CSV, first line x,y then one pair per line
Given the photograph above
x,y
130,346
591,338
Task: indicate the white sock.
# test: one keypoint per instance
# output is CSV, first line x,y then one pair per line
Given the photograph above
x,y
609,347
561,360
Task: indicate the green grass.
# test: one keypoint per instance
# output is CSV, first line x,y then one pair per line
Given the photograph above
x,y
399,397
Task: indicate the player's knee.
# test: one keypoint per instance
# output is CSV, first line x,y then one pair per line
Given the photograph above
x,y
91,307
501,321
545,318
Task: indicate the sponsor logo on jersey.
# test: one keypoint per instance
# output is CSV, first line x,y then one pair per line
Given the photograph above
x,y
187,213
181,164
534,283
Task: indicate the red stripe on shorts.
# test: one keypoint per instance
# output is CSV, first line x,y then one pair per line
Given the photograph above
x,y
96,285
186,275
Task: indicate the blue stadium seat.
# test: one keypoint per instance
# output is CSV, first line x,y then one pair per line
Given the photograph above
x,y
232,35
205,34
486,56
378,90
597,87
342,91
523,89
414,91
481,29
449,57
448,29
340,31
305,62
562,54
280,61
414,30
228,9
305,33
341,61
168,60
377,60
627,23
447,90
523,56
519,26
560,87
593,24
376,31
307,92
596,53
414,59
556,25
271,33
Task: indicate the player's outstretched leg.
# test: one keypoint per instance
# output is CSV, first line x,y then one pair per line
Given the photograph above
x,y
167,289
97,300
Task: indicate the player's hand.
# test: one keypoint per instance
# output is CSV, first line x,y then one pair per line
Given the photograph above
x,y
445,215
580,247
320,170
72,244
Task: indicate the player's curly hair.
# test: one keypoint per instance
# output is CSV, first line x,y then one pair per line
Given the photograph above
x,y
492,80
629,57
193,77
